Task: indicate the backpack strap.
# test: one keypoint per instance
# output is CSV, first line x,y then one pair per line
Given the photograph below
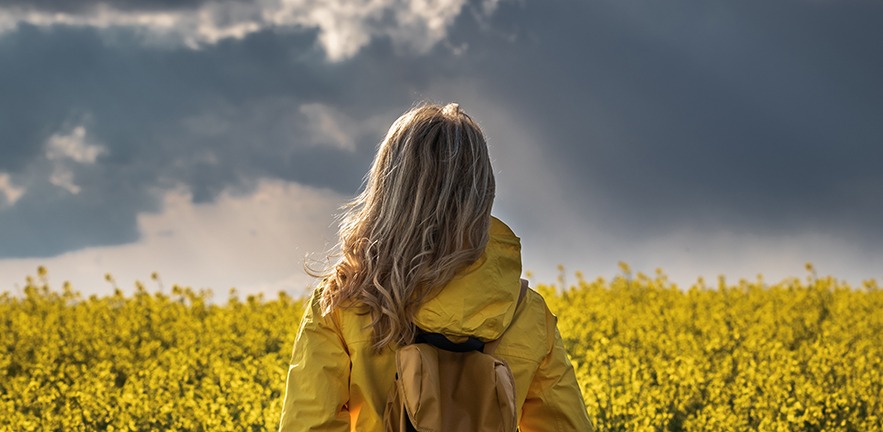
x,y
491,346
439,340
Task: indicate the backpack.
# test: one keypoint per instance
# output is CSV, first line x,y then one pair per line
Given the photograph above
x,y
446,386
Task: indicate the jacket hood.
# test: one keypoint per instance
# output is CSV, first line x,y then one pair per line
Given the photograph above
x,y
479,301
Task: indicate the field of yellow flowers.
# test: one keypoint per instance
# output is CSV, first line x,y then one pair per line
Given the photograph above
x,y
800,354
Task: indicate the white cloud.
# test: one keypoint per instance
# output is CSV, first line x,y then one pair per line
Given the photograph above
x,y
687,254
11,193
344,26
66,150
63,177
73,146
255,242
582,244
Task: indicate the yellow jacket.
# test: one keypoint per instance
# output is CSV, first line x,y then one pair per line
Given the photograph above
x,y
337,383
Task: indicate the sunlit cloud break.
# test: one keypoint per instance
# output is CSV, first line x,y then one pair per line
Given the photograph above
x,y
344,26
63,150
9,191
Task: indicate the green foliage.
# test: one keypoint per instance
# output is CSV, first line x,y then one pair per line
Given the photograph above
x,y
796,355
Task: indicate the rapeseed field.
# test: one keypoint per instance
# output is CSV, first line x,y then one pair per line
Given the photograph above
x,y
798,354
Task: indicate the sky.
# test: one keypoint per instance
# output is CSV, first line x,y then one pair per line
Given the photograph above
x,y
213,142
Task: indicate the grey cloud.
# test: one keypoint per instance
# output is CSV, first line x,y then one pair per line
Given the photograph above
x,y
732,116
87,5
215,119
746,116
49,220
343,27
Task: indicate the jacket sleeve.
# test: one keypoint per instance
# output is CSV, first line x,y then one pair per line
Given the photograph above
x,y
554,401
317,387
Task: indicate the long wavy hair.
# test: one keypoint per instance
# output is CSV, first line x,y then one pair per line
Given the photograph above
x,y
423,215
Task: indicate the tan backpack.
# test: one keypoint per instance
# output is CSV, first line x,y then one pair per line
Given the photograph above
x,y
444,386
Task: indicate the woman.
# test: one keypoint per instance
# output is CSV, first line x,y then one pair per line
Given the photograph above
x,y
419,248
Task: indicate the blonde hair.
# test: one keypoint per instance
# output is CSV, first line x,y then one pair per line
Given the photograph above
x,y
423,215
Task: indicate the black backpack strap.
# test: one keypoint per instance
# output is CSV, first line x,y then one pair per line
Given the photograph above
x,y
491,346
439,341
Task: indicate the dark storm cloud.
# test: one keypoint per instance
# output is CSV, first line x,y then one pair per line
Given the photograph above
x,y
753,116
58,221
71,6
748,116
212,119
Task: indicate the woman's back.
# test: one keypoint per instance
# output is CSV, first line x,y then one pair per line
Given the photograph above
x,y
481,302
